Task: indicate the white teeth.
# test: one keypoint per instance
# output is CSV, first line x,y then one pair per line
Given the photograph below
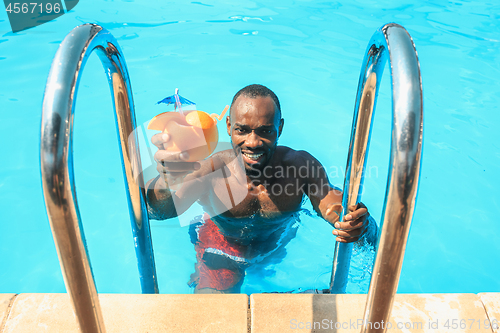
x,y
253,156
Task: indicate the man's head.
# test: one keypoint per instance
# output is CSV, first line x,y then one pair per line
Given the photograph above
x,y
255,124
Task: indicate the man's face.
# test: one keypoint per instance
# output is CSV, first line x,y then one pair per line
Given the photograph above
x,y
254,127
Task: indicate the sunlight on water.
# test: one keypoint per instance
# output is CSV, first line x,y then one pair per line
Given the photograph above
x,y
360,272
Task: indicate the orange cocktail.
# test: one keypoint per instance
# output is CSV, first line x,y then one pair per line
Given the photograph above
x,y
194,132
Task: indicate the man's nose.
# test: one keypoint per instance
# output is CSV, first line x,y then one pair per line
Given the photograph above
x,y
253,140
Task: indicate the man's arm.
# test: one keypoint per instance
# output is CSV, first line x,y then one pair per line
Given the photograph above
x,y
179,184
327,202
159,200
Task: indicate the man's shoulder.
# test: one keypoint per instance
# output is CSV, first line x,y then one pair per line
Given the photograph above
x,y
289,156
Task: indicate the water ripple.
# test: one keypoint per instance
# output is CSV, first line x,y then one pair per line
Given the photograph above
x,y
200,3
243,32
249,18
114,25
128,36
441,26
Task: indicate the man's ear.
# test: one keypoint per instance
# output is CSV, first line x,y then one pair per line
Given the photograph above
x,y
228,125
280,129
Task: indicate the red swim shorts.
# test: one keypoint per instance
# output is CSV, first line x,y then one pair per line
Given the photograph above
x,y
220,264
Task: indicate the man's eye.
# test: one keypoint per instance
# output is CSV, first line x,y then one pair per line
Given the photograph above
x,y
266,131
239,130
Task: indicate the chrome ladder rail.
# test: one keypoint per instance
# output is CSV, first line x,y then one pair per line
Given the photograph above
x,y
391,42
56,158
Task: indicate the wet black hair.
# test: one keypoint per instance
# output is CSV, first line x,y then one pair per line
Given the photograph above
x,y
257,90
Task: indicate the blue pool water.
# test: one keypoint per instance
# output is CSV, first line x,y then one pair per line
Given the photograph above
x,y
309,53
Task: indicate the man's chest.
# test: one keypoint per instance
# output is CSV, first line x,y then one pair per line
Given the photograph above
x,y
266,198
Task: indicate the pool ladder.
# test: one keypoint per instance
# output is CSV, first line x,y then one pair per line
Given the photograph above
x,y
56,154
60,194
391,42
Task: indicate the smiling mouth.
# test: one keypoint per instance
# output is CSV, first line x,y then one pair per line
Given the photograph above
x,y
253,157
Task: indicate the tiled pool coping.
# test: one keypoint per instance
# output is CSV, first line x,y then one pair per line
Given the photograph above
x,y
268,313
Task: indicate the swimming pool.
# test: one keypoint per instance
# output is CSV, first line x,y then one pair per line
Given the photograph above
x,y
310,54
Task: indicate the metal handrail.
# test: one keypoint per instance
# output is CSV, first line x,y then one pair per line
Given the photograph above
x,y
56,155
391,42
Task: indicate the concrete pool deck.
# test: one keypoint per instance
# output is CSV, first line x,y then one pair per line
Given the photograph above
x,y
258,313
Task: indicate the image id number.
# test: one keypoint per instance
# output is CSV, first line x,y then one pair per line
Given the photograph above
x,y
33,7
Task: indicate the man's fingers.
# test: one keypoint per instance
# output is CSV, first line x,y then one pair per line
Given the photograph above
x,y
347,240
350,225
180,166
350,234
352,208
355,213
171,174
177,167
159,139
353,226
334,209
168,156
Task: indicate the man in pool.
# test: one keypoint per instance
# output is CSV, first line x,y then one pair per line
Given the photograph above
x,y
250,193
